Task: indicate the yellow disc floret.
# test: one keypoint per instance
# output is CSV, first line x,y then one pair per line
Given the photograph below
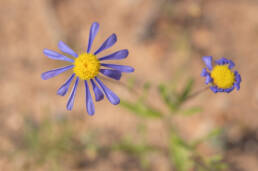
x,y
222,76
86,66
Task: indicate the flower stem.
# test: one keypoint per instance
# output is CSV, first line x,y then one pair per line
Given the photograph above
x,y
196,93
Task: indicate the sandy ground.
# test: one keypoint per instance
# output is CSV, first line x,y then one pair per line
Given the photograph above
x,y
159,42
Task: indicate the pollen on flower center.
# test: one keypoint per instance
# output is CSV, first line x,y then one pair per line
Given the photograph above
x,y
86,66
222,76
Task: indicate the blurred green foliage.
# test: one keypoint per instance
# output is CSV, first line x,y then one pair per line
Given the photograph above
x,y
183,154
53,141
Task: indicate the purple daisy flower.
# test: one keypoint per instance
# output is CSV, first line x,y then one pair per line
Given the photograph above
x,y
86,67
221,76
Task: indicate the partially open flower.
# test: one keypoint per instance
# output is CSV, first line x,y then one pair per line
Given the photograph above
x,y
221,77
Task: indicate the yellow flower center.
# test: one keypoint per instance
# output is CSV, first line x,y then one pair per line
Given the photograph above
x,y
86,66
222,76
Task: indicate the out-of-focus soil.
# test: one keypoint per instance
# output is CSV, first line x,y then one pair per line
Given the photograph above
x,y
162,36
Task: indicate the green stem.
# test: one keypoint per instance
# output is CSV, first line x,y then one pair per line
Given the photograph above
x,y
198,92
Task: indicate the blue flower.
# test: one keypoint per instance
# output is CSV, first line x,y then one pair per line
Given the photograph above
x,y
221,77
86,67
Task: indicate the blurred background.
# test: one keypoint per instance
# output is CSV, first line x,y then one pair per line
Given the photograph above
x,y
166,40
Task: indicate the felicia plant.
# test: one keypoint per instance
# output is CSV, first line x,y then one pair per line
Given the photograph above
x,y
86,67
221,77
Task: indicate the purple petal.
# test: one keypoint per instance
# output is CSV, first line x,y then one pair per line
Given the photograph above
x,y
214,89
208,61
52,73
116,56
66,49
57,56
64,88
93,32
231,64
222,61
220,90
237,86
98,93
238,80
107,44
204,72
114,74
237,77
112,97
228,90
122,68
208,79
70,102
89,102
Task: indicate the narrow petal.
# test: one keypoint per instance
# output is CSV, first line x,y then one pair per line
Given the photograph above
x,y
228,90
122,68
208,61
64,88
70,102
238,80
114,74
93,32
214,89
56,56
49,74
98,93
107,44
116,56
112,97
231,64
237,86
222,61
208,79
237,77
66,49
89,102
204,72
220,90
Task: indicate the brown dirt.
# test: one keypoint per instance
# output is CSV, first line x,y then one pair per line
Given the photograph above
x,y
161,37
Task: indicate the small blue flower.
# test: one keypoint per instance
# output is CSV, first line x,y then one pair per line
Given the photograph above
x,y
221,77
86,67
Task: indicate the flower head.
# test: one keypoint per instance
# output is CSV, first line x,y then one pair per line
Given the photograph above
x,y
221,76
87,67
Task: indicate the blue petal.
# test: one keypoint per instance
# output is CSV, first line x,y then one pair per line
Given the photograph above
x,y
66,49
107,44
231,64
238,80
57,56
204,72
114,74
237,86
220,90
98,93
93,32
228,90
70,102
237,77
64,88
122,68
49,74
112,97
89,102
214,89
222,61
208,61
116,56
208,79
